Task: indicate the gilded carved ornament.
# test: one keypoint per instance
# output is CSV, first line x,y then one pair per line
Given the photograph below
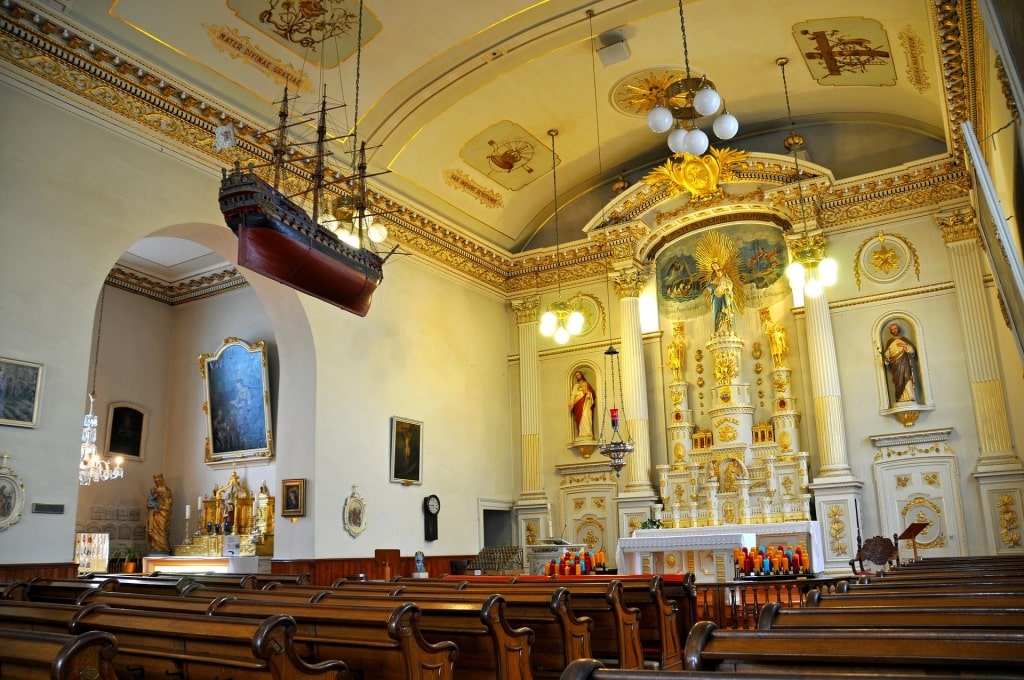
x,y
1009,524
837,529
526,309
960,225
697,175
884,258
630,282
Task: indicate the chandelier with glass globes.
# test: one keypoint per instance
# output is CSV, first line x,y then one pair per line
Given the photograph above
x,y
685,100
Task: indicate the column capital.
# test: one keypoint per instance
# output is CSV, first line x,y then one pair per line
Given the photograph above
x,y
960,225
526,309
808,247
628,281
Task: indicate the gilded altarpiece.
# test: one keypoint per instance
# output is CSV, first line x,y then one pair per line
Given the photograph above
x,y
917,480
587,498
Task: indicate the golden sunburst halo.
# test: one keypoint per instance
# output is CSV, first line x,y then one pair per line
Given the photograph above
x,y
642,92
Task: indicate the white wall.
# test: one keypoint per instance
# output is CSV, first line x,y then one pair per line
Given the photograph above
x,y
77,195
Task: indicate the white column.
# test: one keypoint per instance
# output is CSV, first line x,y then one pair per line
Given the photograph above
x,y
999,471
529,398
628,284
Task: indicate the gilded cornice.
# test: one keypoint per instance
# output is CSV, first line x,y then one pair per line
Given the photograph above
x,y
960,50
179,292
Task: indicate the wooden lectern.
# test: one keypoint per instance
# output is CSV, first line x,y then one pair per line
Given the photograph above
x,y
910,534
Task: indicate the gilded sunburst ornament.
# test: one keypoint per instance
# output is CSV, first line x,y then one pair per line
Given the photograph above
x,y
885,259
645,92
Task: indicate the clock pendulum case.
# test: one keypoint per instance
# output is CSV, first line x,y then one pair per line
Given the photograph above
x,y
431,506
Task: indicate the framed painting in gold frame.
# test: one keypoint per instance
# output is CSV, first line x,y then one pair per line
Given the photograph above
x,y
237,406
293,495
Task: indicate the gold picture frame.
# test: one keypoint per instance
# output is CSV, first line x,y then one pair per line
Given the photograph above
x,y
406,451
237,406
293,498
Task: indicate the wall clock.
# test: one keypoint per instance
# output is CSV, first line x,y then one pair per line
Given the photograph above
x,y
431,507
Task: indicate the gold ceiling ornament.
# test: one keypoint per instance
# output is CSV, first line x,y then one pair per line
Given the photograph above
x,y
698,175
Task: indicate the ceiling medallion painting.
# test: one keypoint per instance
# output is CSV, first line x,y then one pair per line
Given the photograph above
x,y
504,152
846,51
307,26
753,256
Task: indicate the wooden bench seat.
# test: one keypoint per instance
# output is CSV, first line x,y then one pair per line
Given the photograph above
x,y
64,590
165,643
14,590
773,616
616,635
248,581
33,654
987,584
383,641
950,600
591,669
489,646
944,650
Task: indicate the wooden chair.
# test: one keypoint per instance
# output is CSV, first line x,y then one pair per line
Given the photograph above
x,y
879,550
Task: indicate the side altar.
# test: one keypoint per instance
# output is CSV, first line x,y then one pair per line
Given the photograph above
x,y
233,522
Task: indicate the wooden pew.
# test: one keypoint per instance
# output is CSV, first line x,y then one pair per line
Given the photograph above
x,y
591,669
869,651
663,623
489,647
773,617
383,641
64,590
616,633
989,584
949,600
14,590
186,645
33,654
248,581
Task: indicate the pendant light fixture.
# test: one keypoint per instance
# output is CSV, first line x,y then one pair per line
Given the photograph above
x,y
561,320
92,466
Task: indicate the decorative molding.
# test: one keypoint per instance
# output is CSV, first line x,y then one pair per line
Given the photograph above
x,y
913,438
195,288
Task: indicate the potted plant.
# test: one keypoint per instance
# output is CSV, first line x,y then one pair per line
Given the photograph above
x,y
124,559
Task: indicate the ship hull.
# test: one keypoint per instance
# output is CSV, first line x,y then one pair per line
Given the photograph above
x,y
278,240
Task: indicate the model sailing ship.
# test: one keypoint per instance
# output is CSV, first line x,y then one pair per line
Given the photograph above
x,y
278,239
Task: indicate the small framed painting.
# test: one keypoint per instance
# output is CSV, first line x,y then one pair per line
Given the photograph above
x,y
21,383
293,491
126,430
406,451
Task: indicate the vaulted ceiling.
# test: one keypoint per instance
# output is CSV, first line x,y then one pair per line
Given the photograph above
x,y
454,98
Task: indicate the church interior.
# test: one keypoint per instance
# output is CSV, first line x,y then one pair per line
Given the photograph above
x,y
810,324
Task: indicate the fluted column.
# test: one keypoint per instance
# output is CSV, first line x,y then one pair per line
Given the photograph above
x,y
999,471
824,367
628,283
964,248
529,397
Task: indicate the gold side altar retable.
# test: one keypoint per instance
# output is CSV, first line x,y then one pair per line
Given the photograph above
x,y
249,516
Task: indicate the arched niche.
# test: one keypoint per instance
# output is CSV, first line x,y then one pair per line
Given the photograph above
x,y
901,366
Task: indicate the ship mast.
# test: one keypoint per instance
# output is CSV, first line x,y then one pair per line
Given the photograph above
x,y
318,170
279,144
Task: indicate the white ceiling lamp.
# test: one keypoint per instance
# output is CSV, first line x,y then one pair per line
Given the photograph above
x,y
685,100
561,320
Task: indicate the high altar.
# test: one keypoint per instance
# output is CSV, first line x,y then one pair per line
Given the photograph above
x,y
247,516
737,483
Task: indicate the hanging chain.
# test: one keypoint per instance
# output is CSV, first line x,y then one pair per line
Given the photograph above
x,y
99,328
554,184
686,50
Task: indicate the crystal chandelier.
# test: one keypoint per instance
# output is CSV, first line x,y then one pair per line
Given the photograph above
x,y
685,100
615,447
561,320
93,467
